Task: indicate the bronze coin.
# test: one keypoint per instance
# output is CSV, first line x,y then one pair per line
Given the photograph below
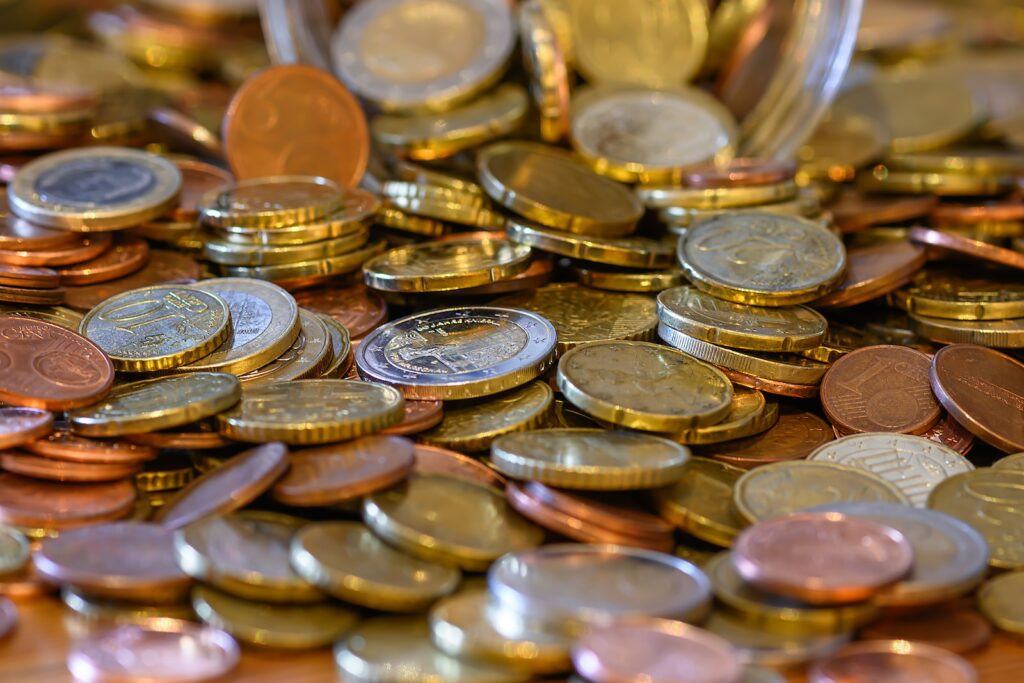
x,y
951,433
536,275
180,131
25,99
967,246
20,425
83,248
419,416
339,472
771,386
983,390
740,172
853,211
233,485
436,460
880,389
43,365
19,235
958,628
163,267
29,277
199,436
35,297
355,306
51,505
63,445
796,434
874,271
607,509
757,52
62,470
283,118
128,255
967,215
197,178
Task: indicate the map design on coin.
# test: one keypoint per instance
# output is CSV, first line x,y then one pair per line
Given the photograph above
x,y
95,181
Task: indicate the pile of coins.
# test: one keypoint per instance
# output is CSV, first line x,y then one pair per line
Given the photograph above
x,y
471,371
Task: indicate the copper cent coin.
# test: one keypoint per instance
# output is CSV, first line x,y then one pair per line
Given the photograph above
x,y
419,416
771,386
983,390
83,248
955,627
162,267
43,365
601,510
282,119
19,234
28,276
967,246
951,433
821,557
873,272
8,617
880,389
893,660
62,470
128,255
740,172
854,211
51,505
973,214
63,445
343,471
437,460
197,178
355,306
795,435
19,425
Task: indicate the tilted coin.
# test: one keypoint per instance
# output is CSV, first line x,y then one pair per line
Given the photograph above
x,y
545,61
749,414
883,179
645,386
700,503
311,411
156,328
842,144
874,271
275,201
229,253
444,266
629,280
58,315
1008,334
590,459
341,348
710,199
630,252
358,207
163,266
95,188
307,273
990,294
956,627
434,460
758,328
20,425
308,356
154,404
82,249
62,470
768,649
33,503
458,353
472,426
944,239
762,259
997,600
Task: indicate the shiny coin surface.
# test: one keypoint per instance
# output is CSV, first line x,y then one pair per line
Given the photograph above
x,y
749,413
893,659
700,503
990,294
545,60
308,356
874,271
230,253
767,648
14,551
993,333
472,426
61,470
355,306
591,459
275,201
997,601
63,445
19,425
434,460
956,627
458,352
95,188
127,255
357,208
445,266
629,252
629,280
34,503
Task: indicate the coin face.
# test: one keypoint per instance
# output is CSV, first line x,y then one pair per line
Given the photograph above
x,y
443,266
458,352
96,188
275,201
356,307
700,503
473,426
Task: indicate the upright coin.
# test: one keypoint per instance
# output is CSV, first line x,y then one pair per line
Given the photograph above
x,y
20,425
271,202
762,259
95,188
545,61
458,352
446,266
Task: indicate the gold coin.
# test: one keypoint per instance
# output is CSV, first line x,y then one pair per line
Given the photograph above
x,y
341,346
474,215
308,272
404,189
617,43
770,649
758,328
309,355
806,204
14,550
840,146
628,133
590,459
446,266
629,281
472,426
346,560
715,198
581,315
839,340
700,503
272,202
153,404
357,209
397,219
748,414
311,411
630,252
157,328
999,600
246,555
264,324
435,136
882,179
1011,462
419,174
232,254
546,64
530,179
968,160
67,318
640,385
278,626
784,487
763,259
990,500
449,520
1000,334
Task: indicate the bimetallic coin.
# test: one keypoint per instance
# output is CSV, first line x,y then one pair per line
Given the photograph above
x,y
893,659
998,600
309,355
629,252
458,352
446,266
271,202
95,188
700,503
472,426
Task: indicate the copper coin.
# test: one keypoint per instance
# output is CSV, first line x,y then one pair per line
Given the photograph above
x,y
983,390
128,255
183,132
200,436
123,560
8,617
62,470
27,276
35,297
951,433
83,248
973,214
43,365
740,172
892,660
197,178
854,211
19,425
355,306
604,510
536,275
51,505
880,389
283,118
233,485
419,416
163,267
437,460
771,386
63,445
821,557
967,246
873,272
756,55
958,629
343,471
793,437
19,235
23,99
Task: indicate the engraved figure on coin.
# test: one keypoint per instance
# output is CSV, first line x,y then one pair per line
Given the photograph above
x,y
467,347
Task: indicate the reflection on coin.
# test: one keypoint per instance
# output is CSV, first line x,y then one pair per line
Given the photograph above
x,y
629,252
748,414
998,600
444,266
434,460
893,659
32,503
20,425
768,648
701,502
472,426
357,308
271,202
794,436
308,357
545,59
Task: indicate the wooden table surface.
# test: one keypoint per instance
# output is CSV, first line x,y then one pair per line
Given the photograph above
x,y
36,651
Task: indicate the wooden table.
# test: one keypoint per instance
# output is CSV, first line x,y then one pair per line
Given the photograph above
x,y
36,651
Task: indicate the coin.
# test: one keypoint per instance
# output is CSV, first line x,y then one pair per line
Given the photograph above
x,y
981,389
854,211
966,246
47,366
227,488
271,202
14,551
644,386
163,266
526,177
445,266
956,628
126,256
457,353
759,328
1014,462
20,425
60,470
784,487
749,414
153,404
997,333
717,199
357,308
546,63
881,659
245,554
230,253
472,426
95,188
63,445
357,208
611,512
348,561
307,358
20,235
840,145
630,252
700,503
434,460
419,416
35,503
996,600
770,386
761,259
15,278
590,459
873,272
282,118
82,248
767,648
982,294
308,273
629,281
